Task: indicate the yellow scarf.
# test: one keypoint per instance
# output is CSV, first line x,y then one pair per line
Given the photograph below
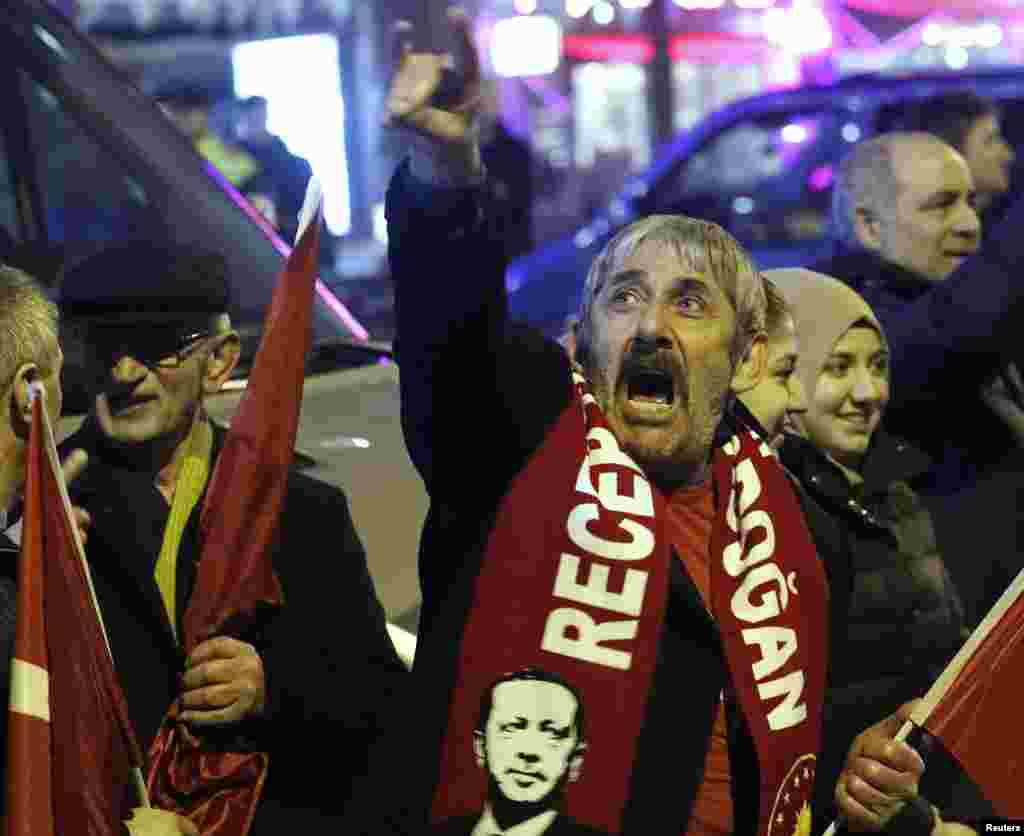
x,y
188,487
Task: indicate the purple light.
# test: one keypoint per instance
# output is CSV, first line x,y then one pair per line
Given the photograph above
x,y
821,178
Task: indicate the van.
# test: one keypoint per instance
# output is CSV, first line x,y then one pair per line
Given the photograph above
x,y
86,160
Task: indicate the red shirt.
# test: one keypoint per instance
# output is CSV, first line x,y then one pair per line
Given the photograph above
x,y
690,517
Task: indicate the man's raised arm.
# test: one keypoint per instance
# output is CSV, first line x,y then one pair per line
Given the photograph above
x,y
462,366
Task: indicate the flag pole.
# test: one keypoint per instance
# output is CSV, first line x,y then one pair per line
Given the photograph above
x,y
922,711
37,390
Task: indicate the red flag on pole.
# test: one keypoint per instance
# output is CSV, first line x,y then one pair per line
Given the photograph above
x,y
72,753
976,701
235,580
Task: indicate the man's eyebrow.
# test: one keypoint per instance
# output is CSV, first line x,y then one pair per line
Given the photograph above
x,y
626,277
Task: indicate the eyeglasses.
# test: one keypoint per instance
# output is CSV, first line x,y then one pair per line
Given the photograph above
x,y
154,349
189,345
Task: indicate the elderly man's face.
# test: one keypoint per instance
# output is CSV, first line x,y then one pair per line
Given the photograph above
x,y
660,364
139,403
531,739
933,226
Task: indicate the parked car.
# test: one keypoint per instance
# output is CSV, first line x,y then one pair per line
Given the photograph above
x,y
86,160
762,167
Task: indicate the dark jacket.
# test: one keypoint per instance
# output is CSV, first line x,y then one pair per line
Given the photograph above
x,y
479,396
331,671
905,620
947,339
282,176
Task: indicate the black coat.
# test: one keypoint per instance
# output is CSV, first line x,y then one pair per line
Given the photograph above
x,y
466,363
332,674
904,620
947,339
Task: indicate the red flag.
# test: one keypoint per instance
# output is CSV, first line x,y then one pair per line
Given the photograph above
x,y
975,716
71,747
235,581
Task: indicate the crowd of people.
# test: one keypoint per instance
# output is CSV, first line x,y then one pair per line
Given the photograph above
x,y
714,543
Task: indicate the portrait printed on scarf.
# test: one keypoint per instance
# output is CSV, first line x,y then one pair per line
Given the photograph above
x,y
530,738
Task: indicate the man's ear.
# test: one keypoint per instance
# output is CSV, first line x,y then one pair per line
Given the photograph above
x,y
221,362
751,367
576,762
867,226
20,402
480,749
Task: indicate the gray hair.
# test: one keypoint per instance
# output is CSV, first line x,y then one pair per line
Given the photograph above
x,y
868,179
28,324
702,242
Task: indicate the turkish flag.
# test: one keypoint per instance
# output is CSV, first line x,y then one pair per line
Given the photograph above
x,y
71,748
218,787
976,716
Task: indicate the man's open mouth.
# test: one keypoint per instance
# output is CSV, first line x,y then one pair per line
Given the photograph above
x,y
651,386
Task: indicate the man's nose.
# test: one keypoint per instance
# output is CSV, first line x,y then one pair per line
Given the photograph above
x,y
651,331
797,395
126,369
967,222
528,757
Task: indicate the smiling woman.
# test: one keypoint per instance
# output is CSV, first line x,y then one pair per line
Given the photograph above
x,y
904,619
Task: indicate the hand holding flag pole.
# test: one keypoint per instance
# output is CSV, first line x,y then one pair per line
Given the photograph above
x,y
973,656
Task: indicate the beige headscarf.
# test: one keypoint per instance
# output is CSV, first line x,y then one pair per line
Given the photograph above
x,y
823,310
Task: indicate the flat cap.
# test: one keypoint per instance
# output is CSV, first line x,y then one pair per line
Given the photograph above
x,y
140,282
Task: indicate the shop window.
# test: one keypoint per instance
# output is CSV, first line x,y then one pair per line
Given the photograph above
x,y
8,206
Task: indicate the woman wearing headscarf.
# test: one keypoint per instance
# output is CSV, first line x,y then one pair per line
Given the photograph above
x,y
904,620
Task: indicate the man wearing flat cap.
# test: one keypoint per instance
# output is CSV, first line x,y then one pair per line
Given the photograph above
x,y
320,676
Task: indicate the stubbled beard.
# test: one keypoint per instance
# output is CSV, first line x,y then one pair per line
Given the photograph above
x,y
681,461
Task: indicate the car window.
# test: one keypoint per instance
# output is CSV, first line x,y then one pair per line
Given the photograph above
x,y
8,203
89,199
767,179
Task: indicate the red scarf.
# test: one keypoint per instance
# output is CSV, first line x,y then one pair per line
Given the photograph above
x,y
575,582
770,600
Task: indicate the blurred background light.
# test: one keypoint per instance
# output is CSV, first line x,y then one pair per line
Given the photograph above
x,y
794,134
693,5
312,85
577,8
525,7
956,57
526,45
799,29
604,12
